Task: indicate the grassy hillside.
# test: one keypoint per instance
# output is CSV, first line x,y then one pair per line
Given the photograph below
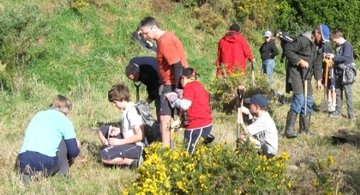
x,y
81,52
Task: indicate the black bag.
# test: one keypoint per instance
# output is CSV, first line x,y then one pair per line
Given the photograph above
x,y
151,126
349,73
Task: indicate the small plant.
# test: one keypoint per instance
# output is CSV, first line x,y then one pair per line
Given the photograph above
x,y
327,181
219,169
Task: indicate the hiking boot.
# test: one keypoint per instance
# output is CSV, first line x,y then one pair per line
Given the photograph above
x,y
334,114
290,122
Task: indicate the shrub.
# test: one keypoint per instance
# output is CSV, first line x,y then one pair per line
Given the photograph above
x,y
326,178
219,169
223,91
21,26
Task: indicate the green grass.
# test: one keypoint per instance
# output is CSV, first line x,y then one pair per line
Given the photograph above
x,y
82,53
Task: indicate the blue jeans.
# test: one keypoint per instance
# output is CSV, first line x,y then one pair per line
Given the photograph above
x,y
268,68
298,101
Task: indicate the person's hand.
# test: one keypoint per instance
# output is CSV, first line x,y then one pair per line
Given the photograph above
x,y
78,143
114,131
172,96
241,88
304,64
319,85
329,55
179,92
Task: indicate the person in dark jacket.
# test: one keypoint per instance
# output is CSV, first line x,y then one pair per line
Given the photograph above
x,y
145,70
268,51
305,57
285,41
344,58
233,50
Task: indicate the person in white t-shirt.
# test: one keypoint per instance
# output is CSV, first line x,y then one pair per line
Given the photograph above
x,y
263,131
123,145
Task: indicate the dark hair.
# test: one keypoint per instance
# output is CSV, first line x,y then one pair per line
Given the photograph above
x,y
190,73
235,27
148,21
119,92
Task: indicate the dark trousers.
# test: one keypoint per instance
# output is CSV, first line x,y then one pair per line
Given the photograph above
x,y
62,167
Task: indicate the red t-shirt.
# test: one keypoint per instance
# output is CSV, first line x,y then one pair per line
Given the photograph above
x,y
199,113
169,51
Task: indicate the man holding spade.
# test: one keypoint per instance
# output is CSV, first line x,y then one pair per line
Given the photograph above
x,y
305,56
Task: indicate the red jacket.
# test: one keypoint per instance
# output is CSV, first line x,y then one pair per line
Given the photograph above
x,y
233,49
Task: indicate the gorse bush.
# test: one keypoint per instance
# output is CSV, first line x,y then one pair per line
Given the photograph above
x,y
327,178
219,169
256,14
223,91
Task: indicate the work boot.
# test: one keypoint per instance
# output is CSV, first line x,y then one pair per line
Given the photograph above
x,y
304,122
290,122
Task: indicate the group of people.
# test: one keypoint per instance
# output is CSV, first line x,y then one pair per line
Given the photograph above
x,y
50,140
234,50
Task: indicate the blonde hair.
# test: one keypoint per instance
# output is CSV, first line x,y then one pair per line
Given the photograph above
x,y
62,104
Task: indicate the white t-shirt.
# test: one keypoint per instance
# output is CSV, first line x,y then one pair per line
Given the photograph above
x,y
129,119
264,131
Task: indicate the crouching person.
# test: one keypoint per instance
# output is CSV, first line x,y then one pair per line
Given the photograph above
x,y
124,145
262,131
195,102
50,142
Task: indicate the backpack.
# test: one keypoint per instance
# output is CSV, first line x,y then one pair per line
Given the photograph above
x,y
151,126
349,73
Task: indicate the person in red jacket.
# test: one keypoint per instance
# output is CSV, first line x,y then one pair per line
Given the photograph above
x,y
233,50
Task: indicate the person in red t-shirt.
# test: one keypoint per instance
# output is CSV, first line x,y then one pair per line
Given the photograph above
x,y
196,103
233,50
171,60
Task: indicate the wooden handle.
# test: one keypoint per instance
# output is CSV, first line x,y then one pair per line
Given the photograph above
x,y
327,64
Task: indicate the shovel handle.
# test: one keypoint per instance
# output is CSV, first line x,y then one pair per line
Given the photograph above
x,y
305,95
252,73
327,64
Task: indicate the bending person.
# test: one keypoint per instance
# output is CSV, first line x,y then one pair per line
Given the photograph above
x,y
145,70
263,130
50,141
195,102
